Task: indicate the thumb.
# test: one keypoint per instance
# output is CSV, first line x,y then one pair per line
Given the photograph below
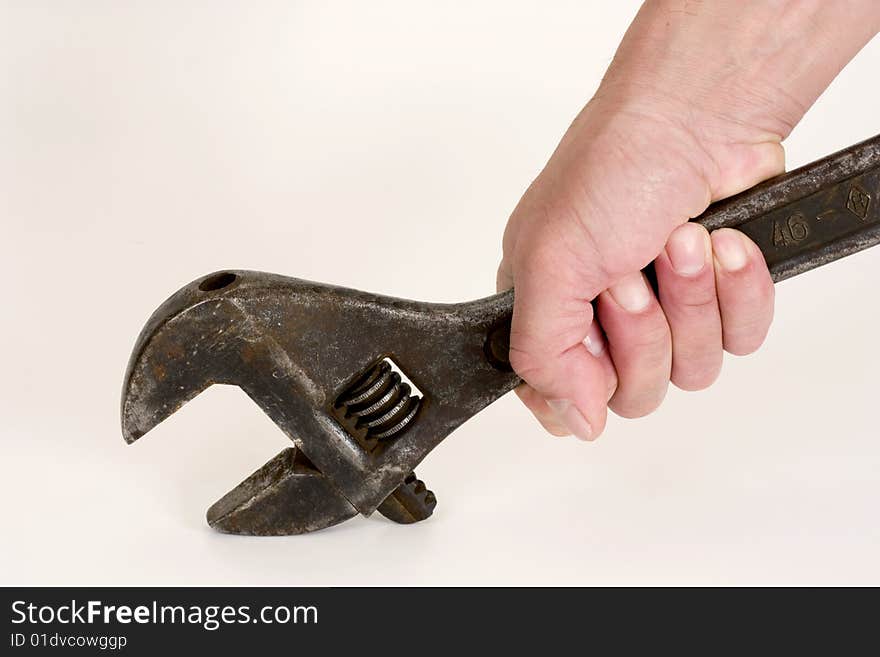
x,y
552,315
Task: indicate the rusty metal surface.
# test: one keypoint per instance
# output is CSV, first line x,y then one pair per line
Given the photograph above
x,y
298,349
329,365
288,495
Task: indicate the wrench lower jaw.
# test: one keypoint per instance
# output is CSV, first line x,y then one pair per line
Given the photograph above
x,y
288,495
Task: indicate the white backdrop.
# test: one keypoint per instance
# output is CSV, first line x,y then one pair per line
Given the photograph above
x,y
380,146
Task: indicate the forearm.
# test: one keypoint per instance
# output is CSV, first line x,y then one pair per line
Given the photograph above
x,y
759,64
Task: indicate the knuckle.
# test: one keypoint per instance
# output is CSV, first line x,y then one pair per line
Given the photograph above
x,y
560,233
537,252
693,299
745,325
752,286
693,380
745,340
632,410
742,347
756,294
632,406
745,335
653,336
767,294
524,362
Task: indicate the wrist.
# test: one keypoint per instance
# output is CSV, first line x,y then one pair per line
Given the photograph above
x,y
736,76
735,62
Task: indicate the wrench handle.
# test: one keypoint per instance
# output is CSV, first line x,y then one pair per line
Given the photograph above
x,y
811,216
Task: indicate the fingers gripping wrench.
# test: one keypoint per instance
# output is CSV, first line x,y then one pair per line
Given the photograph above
x,y
330,365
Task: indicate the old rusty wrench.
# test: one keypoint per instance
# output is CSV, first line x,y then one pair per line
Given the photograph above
x,y
329,365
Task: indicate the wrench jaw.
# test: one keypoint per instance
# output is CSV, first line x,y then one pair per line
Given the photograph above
x,y
191,342
288,495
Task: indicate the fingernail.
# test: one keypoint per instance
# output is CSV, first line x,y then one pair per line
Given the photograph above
x,y
688,249
594,342
730,250
568,414
631,293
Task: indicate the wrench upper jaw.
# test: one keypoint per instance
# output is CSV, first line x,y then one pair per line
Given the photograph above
x,y
145,405
191,342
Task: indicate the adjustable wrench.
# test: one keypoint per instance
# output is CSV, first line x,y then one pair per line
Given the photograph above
x,y
365,386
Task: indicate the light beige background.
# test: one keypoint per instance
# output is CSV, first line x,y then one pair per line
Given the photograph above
x,y
381,146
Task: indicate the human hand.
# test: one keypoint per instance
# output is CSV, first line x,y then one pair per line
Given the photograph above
x,y
618,192
635,165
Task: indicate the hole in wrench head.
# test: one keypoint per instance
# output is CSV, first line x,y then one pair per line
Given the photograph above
x,y
217,281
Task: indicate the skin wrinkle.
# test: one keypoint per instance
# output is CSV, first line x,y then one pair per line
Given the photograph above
x,y
650,186
767,53
556,343
701,303
693,146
